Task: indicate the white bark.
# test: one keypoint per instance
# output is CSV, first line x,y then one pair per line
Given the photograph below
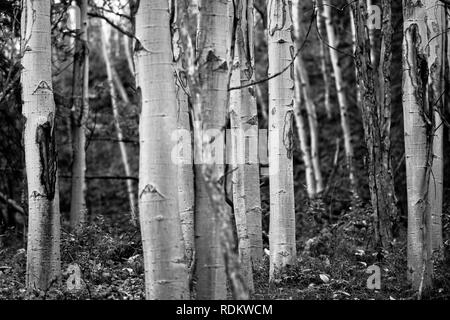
x,y
303,77
244,119
212,43
166,275
186,196
435,23
422,83
303,137
43,251
79,115
352,23
281,102
324,58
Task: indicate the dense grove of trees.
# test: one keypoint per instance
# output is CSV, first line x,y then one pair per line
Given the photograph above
x,y
234,137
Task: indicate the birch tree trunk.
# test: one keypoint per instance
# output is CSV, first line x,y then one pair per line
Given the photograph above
x,y
238,181
244,139
303,77
377,121
79,115
186,194
200,70
303,137
213,54
111,78
436,28
166,274
299,115
43,248
342,99
422,84
324,57
353,28
281,103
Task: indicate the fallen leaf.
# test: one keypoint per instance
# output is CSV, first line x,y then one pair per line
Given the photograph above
x,y
324,278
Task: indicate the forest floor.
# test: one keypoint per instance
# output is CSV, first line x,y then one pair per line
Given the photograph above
x,y
109,254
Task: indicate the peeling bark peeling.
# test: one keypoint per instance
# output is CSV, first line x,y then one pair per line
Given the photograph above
x,y
423,56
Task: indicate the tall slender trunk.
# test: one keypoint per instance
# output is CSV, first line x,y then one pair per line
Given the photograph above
x,y
312,120
324,58
79,115
436,28
208,75
43,248
303,77
353,28
422,86
212,50
244,125
281,104
303,137
166,275
186,194
377,121
342,98
113,78
300,101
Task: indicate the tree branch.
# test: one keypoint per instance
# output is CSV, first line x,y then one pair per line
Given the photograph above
x,y
11,203
104,178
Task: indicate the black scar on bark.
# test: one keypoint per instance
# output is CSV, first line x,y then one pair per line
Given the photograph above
x,y
139,99
45,139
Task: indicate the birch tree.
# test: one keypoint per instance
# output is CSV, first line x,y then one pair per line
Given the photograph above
x,y
377,128
166,274
212,40
342,98
79,115
185,154
422,86
303,79
281,103
302,134
244,131
300,120
113,83
206,59
43,247
324,57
